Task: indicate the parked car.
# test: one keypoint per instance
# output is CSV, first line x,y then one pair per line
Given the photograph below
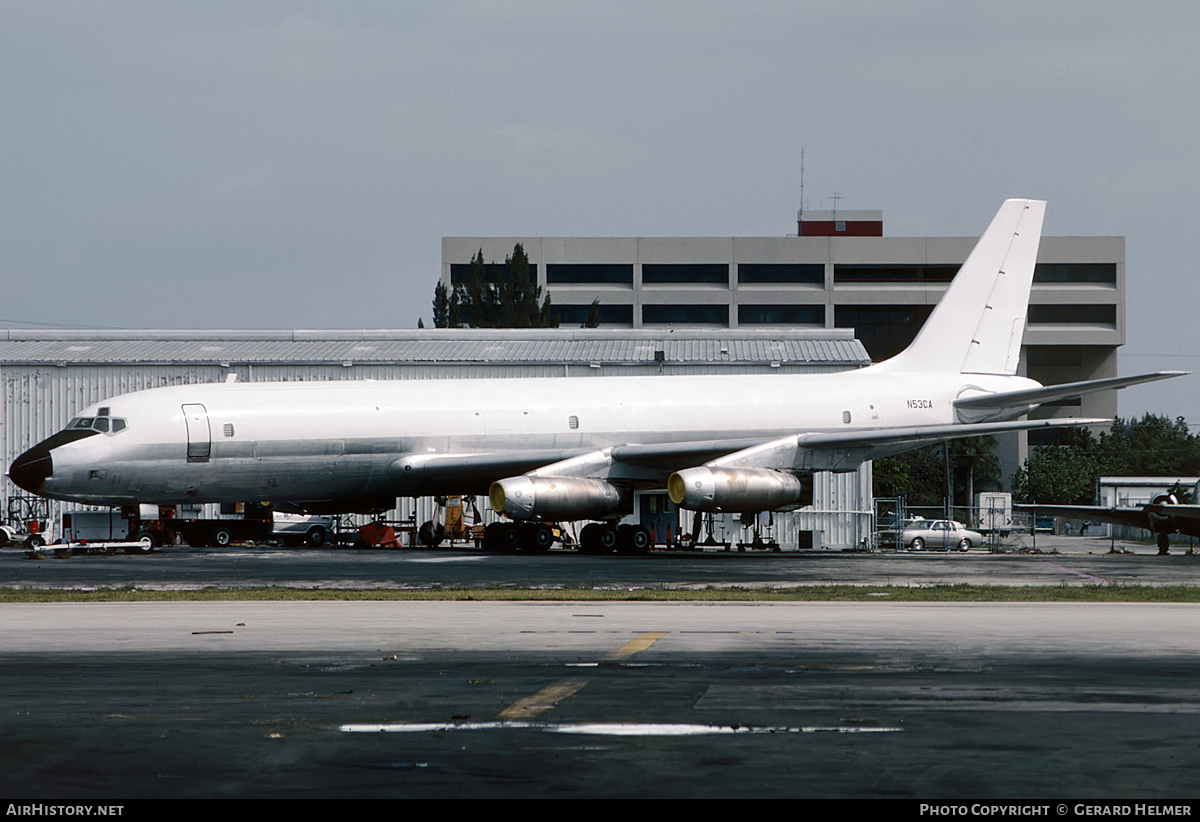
x,y
940,534
302,529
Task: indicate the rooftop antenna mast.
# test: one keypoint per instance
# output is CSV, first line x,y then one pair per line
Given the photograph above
x,y
800,213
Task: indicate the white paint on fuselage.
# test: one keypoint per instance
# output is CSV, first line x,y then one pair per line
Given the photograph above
x,y
335,440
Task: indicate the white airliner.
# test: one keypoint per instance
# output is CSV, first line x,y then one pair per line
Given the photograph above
x,y
571,449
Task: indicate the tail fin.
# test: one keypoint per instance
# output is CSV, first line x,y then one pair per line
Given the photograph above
x,y
977,326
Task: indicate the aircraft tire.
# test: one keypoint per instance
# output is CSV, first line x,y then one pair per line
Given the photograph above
x,y
633,540
537,538
146,543
502,537
428,535
597,538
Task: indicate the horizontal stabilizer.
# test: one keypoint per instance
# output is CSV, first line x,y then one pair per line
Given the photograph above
x,y
1029,398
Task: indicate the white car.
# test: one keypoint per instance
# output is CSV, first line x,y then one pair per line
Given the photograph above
x,y
940,534
302,529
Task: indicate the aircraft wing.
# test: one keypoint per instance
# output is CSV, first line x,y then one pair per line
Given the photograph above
x,y
980,405
1132,517
596,474
474,472
1149,516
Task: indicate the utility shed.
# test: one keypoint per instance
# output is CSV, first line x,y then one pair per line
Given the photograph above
x,y
48,375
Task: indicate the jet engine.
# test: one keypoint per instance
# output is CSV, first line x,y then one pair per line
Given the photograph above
x,y
554,498
739,490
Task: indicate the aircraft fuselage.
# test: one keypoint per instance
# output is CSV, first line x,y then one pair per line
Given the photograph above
x,y
328,443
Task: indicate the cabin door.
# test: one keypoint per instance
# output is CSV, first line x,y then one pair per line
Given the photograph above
x,y
199,446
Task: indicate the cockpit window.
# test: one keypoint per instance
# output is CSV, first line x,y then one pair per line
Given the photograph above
x,y
102,424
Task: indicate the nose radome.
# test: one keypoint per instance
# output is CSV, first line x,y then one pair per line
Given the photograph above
x,y
31,469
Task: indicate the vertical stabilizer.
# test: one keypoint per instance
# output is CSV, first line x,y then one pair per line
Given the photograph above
x,y
977,326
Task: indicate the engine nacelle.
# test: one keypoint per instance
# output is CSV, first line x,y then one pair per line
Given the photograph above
x,y
554,498
739,490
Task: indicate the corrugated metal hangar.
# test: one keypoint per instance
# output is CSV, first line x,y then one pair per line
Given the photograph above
x,y
48,375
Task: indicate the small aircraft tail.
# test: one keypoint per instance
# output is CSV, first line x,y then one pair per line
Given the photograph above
x,y
977,326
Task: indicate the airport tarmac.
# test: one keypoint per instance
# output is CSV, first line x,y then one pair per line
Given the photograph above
x,y
1048,561
587,700
582,700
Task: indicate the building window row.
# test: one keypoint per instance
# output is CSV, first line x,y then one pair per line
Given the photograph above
x,y
778,273
622,314
599,273
884,330
1100,273
661,273
894,273
1097,314
609,314
778,314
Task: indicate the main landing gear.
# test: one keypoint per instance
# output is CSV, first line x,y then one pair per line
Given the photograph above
x,y
529,537
537,537
604,538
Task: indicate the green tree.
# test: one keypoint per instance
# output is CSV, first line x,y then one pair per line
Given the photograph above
x,y
445,306
507,297
1153,446
974,459
1064,473
593,315
918,475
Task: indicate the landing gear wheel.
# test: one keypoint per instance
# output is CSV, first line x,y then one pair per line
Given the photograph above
x,y
429,535
597,538
502,537
633,540
537,538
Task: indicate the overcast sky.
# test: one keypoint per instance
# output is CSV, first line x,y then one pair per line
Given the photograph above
x,y
296,164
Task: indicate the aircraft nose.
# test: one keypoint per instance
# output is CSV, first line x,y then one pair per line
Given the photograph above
x,y
31,469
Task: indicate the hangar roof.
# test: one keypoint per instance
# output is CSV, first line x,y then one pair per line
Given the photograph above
x,y
832,346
